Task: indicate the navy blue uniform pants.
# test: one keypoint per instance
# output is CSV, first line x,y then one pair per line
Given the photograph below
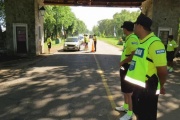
x,y
144,104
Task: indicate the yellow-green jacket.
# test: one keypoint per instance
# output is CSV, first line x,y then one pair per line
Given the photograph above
x,y
131,44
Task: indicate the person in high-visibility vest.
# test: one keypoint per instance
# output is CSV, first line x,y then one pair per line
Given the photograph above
x,y
171,50
86,40
131,44
95,41
147,71
49,42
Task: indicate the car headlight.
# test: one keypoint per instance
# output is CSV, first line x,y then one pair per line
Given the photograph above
x,y
65,45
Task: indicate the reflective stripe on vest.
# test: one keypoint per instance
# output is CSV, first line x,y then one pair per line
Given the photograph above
x,y
139,65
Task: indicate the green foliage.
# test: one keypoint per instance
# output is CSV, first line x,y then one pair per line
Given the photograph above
x,y
109,27
59,20
96,30
80,27
49,20
106,27
58,17
119,19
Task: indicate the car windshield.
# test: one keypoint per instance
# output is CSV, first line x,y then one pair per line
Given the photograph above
x,y
72,40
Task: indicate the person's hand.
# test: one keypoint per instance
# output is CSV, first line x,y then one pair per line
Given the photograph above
x,y
162,90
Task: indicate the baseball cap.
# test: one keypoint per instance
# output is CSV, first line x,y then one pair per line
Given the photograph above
x,y
144,21
128,25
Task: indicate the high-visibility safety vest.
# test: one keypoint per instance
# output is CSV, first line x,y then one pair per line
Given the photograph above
x,y
171,45
124,53
49,40
94,38
138,68
86,39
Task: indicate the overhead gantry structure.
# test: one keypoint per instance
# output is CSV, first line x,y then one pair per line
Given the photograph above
x,y
96,3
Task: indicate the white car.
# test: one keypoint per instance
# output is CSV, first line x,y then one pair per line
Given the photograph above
x,y
71,43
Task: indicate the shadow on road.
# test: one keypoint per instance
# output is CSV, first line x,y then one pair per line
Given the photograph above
x,y
68,87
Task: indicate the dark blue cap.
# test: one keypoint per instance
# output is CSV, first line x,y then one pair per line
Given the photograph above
x,y
128,25
144,21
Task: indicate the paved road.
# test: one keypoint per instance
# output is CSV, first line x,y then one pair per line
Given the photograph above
x,y
73,86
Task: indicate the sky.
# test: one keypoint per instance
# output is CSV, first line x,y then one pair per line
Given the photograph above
x,y
91,15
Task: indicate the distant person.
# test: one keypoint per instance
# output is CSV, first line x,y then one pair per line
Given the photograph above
x,y
171,51
49,42
86,40
147,71
120,42
95,41
130,45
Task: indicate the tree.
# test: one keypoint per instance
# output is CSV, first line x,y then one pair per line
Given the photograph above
x,y
108,27
96,30
119,19
49,21
80,27
58,17
65,18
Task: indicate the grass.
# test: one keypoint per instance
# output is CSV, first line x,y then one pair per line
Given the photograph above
x,y
111,41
